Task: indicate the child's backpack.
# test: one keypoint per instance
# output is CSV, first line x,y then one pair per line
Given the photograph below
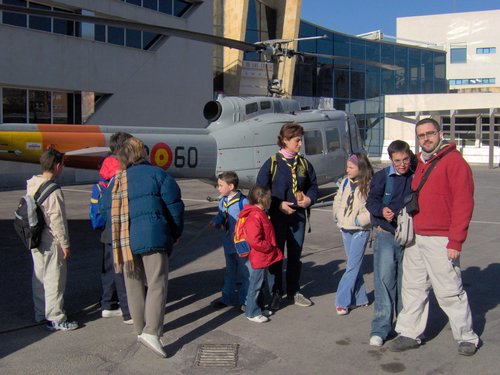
x,y
28,217
96,219
240,243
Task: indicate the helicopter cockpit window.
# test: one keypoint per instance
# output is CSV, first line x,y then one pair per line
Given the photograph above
x,y
313,142
332,139
251,108
278,107
265,105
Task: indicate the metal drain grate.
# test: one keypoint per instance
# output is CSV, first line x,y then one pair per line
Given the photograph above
x,y
217,355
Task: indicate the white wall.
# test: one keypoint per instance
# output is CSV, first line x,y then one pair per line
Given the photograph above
x,y
470,29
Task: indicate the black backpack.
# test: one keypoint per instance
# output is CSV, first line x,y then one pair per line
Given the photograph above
x,y
28,217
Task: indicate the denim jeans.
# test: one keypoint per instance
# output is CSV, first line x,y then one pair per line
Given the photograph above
x,y
113,284
235,271
290,230
260,285
388,272
351,290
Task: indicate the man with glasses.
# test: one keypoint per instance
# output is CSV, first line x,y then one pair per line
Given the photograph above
x,y
446,202
388,189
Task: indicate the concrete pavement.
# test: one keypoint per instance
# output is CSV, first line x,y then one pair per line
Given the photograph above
x,y
298,340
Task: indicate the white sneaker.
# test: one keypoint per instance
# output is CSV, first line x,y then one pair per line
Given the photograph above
x,y
376,341
152,342
267,313
258,319
129,321
111,313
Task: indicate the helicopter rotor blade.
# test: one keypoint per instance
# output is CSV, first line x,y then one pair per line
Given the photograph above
x,y
347,58
164,30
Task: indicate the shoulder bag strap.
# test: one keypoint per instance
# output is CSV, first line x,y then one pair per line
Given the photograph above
x,y
433,164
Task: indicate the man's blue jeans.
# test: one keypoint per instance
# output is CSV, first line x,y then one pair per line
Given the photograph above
x,y
351,290
388,272
235,271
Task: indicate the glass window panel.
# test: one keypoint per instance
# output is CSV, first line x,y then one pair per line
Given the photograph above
x,y
251,108
150,4
415,70
265,105
332,139
148,39
401,59
134,38
165,6
373,82
458,55
15,19
60,108
307,30
39,107
116,35
325,81
341,86
14,105
135,2
313,142
64,27
100,33
341,45
180,7
357,85
38,22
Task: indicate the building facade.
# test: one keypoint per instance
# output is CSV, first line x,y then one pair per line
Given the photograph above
x,y
471,41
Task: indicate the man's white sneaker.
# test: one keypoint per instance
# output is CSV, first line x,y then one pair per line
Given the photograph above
x,y
258,319
111,313
376,341
152,342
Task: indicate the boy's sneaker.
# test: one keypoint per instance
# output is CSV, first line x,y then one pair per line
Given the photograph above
x,y
341,311
376,341
467,348
62,326
129,321
243,308
258,319
111,313
267,313
402,343
300,300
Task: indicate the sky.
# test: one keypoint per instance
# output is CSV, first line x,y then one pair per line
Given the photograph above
x,y
361,16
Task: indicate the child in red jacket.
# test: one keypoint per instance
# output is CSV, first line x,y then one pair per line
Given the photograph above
x,y
263,251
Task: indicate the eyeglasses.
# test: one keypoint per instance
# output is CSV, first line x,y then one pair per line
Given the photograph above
x,y
399,162
427,135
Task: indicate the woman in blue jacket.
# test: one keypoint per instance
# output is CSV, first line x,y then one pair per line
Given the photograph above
x,y
144,209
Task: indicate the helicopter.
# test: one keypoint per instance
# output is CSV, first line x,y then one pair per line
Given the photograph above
x,y
241,132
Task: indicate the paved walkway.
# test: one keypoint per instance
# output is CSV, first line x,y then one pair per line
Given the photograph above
x,y
297,340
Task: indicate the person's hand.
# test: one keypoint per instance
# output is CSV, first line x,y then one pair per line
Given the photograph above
x,y
305,202
286,208
66,253
453,254
388,214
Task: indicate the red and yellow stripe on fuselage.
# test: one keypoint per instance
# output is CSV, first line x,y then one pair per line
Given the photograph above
x,y
26,142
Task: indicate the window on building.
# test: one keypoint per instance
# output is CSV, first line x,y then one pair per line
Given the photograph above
x,y
14,105
15,19
472,81
39,22
458,55
39,107
486,51
313,142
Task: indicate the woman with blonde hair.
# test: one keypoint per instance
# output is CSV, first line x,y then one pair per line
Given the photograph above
x,y
353,219
144,209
